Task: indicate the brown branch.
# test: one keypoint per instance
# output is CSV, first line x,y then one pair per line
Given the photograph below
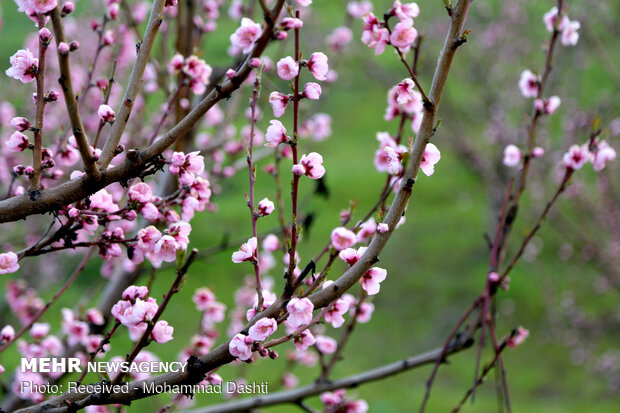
x,y
70,100
133,87
35,180
292,396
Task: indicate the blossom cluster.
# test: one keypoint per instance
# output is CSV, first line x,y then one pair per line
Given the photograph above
x,y
136,310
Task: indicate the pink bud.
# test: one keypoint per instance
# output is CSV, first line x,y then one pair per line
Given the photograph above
x,y
106,114
231,73
63,48
67,8
45,35
254,62
74,45
20,123
52,96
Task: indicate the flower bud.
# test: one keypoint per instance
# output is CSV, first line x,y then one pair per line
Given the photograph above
x,y
45,35
67,8
20,123
74,45
51,96
63,48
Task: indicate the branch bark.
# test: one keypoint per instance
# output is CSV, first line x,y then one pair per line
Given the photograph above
x,y
295,395
70,100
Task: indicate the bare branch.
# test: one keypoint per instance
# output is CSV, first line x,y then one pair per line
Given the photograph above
x,y
70,100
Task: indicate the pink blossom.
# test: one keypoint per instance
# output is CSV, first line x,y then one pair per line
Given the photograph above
x,y
430,158
319,126
63,48
8,263
275,134
289,380
576,157
304,340
604,153
41,6
202,298
23,66
300,312
133,292
537,152
265,207
271,243
166,249
39,330
246,252
94,316
187,166
289,23
570,34
312,91
403,35
326,344
148,237
287,68
139,312
512,156
304,3
17,142
374,35
150,212
364,312
372,279
333,399
109,37
7,333
358,9
246,35
342,238
317,64
176,63
367,230
278,102
382,228
392,158
356,406
529,84
310,165
113,11
351,256
547,106
263,329
550,18
339,38
518,338
335,312
405,12
162,332
238,347
140,192
20,124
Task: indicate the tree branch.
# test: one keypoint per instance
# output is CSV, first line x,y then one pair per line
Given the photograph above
x,y
70,100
